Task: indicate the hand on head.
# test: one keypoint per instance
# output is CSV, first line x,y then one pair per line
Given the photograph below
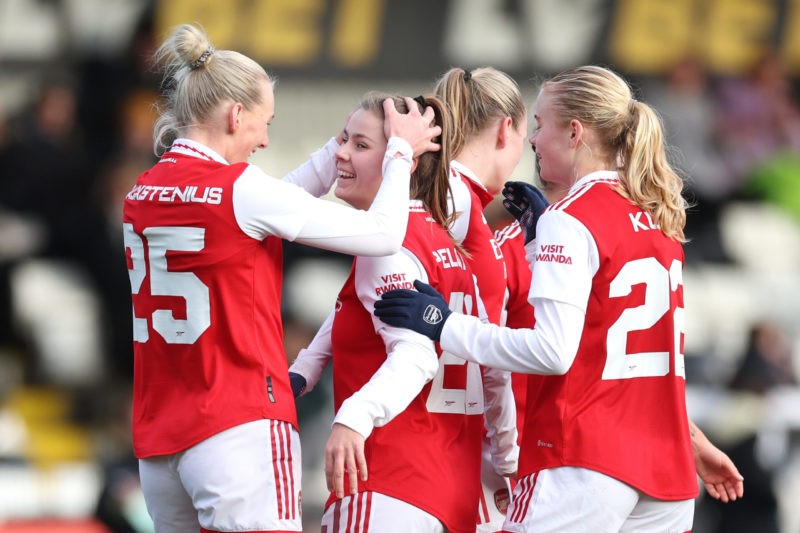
x,y
414,127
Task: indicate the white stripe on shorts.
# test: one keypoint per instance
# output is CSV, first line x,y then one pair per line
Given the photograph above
x,y
282,465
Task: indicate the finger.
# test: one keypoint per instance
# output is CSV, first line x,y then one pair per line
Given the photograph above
x,y
329,472
393,312
509,205
712,491
397,294
362,464
334,473
431,147
411,104
397,320
389,108
424,288
724,496
735,490
352,472
429,113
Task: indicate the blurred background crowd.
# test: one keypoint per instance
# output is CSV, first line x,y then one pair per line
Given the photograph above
x,y
76,116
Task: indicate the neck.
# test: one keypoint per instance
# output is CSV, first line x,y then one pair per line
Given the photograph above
x,y
475,157
214,140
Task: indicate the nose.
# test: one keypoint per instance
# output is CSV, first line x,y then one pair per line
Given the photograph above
x,y
342,153
532,140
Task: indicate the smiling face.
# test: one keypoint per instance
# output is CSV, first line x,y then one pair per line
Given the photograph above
x,y
551,142
359,159
254,127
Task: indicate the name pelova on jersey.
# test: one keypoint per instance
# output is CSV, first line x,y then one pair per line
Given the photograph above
x,y
166,194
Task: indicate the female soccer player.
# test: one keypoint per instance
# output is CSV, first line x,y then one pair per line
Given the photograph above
x,y
490,120
214,421
404,451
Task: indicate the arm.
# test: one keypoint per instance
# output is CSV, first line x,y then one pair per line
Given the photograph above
x,y
500,417
311,361
264,206
318,173
410,363
718,473
291,213
559,294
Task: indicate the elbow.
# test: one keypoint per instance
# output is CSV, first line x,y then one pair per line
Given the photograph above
x,y
393,244
429,370
557,356
560,367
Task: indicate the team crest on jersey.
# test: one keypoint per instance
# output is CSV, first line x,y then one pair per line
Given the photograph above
x,y
432,315
501,500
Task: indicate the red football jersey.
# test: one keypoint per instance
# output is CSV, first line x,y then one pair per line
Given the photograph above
x,y
518,313
208,340
429,454
485,257
620,409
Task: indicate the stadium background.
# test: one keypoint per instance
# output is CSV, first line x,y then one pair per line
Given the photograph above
x,y
72,70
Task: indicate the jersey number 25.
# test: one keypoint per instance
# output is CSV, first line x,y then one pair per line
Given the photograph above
x,y
185,285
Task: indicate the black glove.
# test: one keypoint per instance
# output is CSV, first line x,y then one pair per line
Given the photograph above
x,y
526,203
298,383
424,311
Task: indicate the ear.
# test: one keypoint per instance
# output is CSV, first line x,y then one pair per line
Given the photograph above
x,y
576,132
414,162
235,117
503,128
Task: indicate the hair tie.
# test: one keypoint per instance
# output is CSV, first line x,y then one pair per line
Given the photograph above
x,y
200,61
467,75
421,101
632,105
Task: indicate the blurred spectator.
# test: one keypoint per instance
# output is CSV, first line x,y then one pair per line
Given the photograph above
x,y
759,452
767,360
686,104
757,117
49,175
108,86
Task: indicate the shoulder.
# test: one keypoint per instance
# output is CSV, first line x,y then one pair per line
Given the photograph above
x,y
584,193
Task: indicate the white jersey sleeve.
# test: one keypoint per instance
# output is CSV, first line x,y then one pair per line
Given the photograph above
x,y
570,259
500,418
318,173
264,206
311,361
411,359
559,295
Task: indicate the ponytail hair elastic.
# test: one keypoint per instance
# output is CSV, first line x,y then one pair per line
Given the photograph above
x,y
200,61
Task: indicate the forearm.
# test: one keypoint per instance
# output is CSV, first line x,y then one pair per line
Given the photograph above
x,y
318,173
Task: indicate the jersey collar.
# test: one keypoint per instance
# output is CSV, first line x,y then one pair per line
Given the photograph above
x,y
598,175
196,149
475,184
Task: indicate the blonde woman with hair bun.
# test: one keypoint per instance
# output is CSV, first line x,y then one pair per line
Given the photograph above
x,y
214,420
